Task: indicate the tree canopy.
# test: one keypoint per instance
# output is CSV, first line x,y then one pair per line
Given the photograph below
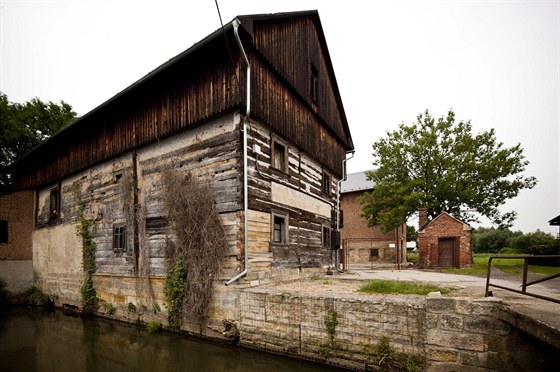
x,y
24,126
439,164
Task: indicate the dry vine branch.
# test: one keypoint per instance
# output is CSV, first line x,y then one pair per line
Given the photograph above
x,y
200,239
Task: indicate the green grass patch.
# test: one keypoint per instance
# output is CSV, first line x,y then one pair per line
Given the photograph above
x,y
399,287
510,266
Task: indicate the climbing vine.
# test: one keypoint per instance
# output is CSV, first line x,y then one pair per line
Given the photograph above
x,y
194,255
330,320
89,296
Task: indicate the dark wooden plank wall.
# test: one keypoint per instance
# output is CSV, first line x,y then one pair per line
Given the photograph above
x,y
292,45
186,95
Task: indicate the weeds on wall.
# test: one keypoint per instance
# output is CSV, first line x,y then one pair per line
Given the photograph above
x,y
83,230
195,254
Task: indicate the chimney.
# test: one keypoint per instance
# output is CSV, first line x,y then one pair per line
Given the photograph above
x,y
422,217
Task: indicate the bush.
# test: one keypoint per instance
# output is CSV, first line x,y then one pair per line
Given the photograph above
x,y
35,297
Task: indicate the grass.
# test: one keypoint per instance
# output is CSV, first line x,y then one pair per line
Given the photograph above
x,y
507,265
399,287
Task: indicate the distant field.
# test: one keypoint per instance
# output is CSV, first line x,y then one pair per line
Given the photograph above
x,y
509,266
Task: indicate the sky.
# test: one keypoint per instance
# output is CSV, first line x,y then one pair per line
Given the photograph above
x,y
495,63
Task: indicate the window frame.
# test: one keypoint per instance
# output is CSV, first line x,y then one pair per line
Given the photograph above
x,y
326,183
54,204
326,236
4,232
273,155
314,83
284,227
119,238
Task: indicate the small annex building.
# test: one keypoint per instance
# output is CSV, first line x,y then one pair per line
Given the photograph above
x,y
444,241
363,244
254,111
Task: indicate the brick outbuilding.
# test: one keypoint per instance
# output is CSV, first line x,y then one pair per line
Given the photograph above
x,y
445,241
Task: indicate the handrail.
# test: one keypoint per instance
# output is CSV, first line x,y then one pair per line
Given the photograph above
x,y
524,283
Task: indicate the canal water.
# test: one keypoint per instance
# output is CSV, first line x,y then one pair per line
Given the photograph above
x,y
42,341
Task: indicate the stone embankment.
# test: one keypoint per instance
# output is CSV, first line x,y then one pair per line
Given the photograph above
x,y
377,332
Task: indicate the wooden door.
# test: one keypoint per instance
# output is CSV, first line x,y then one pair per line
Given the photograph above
x,y
446,252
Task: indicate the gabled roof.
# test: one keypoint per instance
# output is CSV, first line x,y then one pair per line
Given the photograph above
x,y
555,221
80,135
356,182
466,226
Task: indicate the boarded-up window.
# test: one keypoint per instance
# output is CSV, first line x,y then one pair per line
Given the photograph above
x,y
3,231
53,204
326,236
119,238
279,156
314,83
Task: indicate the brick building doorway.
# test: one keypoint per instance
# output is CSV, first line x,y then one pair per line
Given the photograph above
x,y
446,252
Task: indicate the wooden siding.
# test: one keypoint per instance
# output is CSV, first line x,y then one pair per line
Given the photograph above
x,y
185,94
202,83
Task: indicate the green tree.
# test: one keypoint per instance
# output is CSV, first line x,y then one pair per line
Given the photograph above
x,y
492,240
411,233
24,126
439,164
538,242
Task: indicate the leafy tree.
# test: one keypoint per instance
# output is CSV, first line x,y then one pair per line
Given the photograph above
x,y
24,126
411,233
537,242
442,166
492,240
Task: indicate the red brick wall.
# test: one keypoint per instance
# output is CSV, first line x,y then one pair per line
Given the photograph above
x,y
17,209
444,227
356,226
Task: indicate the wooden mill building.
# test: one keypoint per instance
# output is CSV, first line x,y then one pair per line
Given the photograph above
x,y
262,121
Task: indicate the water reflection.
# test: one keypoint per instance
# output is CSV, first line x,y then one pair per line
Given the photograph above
x,y
38,341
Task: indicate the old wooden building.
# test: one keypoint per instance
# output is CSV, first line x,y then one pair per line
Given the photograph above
x,y
254,109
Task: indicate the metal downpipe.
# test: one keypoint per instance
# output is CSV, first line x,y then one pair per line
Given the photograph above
x,y
244,131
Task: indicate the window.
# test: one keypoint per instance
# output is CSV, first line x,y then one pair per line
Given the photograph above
x,y
279,156
3,231
326,236
279,228
119,238
373,253
53,205
314,83
326,184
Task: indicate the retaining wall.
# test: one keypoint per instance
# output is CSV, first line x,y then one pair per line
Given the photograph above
x,y
434,333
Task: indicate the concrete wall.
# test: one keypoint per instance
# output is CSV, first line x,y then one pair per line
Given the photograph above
x,y
17,275
436,333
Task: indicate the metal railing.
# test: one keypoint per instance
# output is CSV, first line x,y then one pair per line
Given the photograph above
x,y
524,283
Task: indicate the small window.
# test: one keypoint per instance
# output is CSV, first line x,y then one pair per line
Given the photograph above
x,y
326,236
326,184
341,219
3,231
53,205
314,83
279,156
119,238
373,253
279,228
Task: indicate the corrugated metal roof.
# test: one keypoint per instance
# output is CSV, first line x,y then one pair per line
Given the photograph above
x,y
356,182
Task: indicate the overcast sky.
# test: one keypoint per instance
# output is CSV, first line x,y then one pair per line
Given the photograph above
x,y
493,62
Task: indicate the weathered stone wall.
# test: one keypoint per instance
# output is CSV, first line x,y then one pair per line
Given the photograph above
x,y
17,275
440,333
57,263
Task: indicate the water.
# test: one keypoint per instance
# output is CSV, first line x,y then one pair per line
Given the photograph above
x,y
39,341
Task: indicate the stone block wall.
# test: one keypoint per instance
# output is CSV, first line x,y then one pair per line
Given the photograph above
x,y
438,333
